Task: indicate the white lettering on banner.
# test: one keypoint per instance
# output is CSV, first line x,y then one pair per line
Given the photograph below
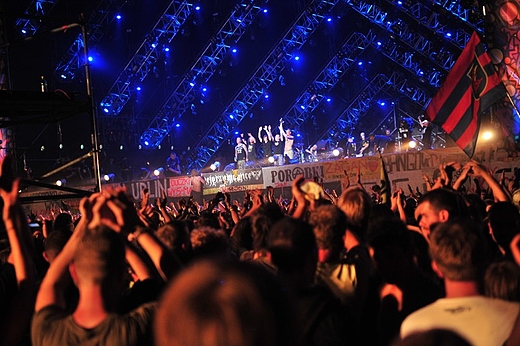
x,y
232,177
175,187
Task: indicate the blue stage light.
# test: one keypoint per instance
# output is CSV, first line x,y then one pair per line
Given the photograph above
x,y
118,16
234,50
297,58
197,8
329,19
105,110
166,49
360,63
90,59
329,99
265,10
177,125
138,88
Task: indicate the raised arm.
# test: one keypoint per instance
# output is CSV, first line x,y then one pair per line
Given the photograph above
x,y
17,317
127,221
462,177
282,131
260,134
56,280
269,133
494,185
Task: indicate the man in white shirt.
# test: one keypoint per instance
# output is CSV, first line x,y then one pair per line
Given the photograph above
x,y
458,251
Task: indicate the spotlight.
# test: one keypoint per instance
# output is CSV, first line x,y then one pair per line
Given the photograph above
x,y
61,182
271,159
109,177
412,144
138,88
90,59
157,172
487,135
215,166
335,152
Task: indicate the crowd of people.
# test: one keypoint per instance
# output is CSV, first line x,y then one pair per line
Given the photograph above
x,y
367,266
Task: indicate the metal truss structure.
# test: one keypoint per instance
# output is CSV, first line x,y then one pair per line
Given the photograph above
x,y
31,22
380,84
418,49
269,71
358,107
201,71
140,64
98,23
314,94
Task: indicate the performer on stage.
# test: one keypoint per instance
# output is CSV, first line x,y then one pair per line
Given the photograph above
x,y
312,153
390,144
267,140
173,165
197,185
364,145
288,138
350,147
426,130
278,147
404,135
251,147
240,154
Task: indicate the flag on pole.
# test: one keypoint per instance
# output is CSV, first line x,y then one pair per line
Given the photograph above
x,y
470,88
385,192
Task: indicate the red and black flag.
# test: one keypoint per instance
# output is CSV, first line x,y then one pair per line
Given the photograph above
x,y
470,88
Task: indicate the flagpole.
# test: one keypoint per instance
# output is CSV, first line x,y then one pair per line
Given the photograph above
x,y
509,96
513,104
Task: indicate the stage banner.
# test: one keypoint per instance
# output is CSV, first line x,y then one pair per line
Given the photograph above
x,y
369,167
233,181
282,176
174,187
424,160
